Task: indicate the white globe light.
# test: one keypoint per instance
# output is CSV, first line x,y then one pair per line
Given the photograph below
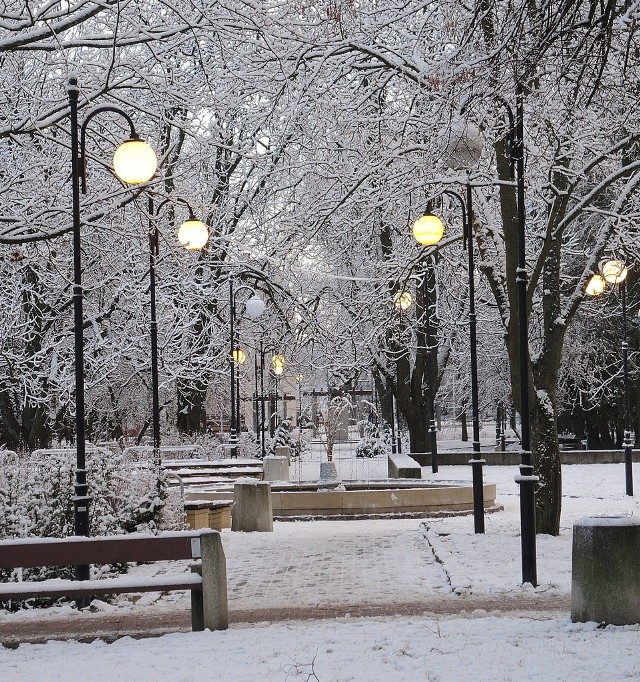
x,y
239,356
403,300
464,145
193,234
278,362
254,306
135,162
428,229
614,271
595,286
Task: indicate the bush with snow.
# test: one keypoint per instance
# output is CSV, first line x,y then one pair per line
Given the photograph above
x,y
36,500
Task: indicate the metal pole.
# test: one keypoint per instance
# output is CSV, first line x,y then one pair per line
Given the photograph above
x,y
432,364
256,407
526,480
233,437
153,260
81,497
262,400
238,415
398,433
476,463
627,443
394,445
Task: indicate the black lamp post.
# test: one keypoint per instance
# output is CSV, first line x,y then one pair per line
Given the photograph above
x,y
299,378
428,231
615,272
254,306
527,480
193,234
134,163
476,463
263,397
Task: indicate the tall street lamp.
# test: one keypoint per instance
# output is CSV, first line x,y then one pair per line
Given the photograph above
x,y
428,231
299,378
615,271
278,363
254,307
402,300
134,162
527,480
476,462
192,234
239,359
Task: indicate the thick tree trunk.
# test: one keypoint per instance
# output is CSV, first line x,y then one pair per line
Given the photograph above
x,y
546,462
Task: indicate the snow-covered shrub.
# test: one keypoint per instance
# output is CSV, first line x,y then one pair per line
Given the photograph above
x,y
370,445
282,438
36,500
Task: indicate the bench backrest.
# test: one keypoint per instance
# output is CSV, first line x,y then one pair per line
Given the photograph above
x,y
78,551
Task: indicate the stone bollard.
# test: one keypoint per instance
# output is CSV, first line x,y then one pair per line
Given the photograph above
x,y
328,476
275,468
605,574
252,508
283,451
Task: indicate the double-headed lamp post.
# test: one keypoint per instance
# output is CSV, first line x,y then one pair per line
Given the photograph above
x,y
254,307
193,235
615,271
436,228
134,163
428,231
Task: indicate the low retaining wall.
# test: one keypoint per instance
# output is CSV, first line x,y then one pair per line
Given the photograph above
x,y
411,499
512,458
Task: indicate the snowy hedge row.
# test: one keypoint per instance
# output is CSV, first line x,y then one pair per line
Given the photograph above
x,y
36,499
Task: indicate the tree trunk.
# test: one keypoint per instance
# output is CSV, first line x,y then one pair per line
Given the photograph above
x,y
546,462
192,415
463,422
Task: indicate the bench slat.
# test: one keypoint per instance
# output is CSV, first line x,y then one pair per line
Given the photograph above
x,y
72,588
77,551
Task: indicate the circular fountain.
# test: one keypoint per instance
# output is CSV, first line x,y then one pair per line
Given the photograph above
x,y
390,498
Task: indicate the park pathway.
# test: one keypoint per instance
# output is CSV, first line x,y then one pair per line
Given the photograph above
x,y
320,569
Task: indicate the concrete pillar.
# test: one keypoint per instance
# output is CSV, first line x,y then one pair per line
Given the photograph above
x,y
605,576
210,607
276,468
252,509
329,475
283,451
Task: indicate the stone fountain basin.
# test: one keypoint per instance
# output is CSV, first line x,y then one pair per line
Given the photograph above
x,y
364,499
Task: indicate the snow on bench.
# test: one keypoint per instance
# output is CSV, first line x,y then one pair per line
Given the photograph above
x,y
207,581
403,466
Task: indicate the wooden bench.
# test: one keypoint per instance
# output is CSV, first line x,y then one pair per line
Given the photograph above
x,y
403,466
207,580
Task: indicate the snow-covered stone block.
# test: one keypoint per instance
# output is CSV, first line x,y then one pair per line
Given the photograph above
x,y
605,575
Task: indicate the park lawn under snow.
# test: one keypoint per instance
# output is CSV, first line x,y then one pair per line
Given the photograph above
x,y
476,645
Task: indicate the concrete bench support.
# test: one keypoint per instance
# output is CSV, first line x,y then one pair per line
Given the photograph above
x,y
276,468
605,580
403,466
252,509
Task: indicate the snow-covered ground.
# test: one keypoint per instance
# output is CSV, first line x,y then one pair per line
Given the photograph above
x,y
479,644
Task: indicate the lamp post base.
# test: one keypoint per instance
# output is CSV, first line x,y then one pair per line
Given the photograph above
x,y
478,494
527,482
628,468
